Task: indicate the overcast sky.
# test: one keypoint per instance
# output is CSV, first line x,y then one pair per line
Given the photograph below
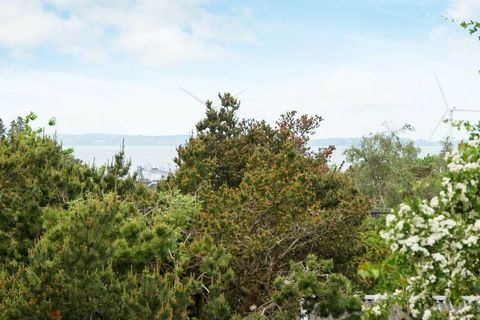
x,y
115,66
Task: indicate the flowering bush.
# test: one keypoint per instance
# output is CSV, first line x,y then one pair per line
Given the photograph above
x,y
440,239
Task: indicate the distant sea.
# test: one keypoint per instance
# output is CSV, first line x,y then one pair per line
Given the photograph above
x,y
159,151
162,156
156,156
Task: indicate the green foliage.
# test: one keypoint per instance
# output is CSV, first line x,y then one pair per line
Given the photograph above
x,y
267,198
89,242
321,292
388,169
103,259
471,26
374,252
36,173
3,129
235,232
218,153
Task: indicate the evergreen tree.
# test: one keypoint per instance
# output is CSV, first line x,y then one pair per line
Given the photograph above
x,y
103,259
35,172
3,129
267,197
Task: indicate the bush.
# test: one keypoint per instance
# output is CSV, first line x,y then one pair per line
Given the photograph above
x,y
102,259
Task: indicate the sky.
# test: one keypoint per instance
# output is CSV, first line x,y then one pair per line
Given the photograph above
x,y
116,66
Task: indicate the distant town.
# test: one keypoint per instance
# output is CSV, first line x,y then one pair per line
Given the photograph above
x,y
150,176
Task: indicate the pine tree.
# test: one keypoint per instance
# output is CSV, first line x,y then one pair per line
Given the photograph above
x,y
3,129
267,197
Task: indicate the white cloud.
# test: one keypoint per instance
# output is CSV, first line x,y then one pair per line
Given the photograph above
x,y
155,32
392,83
464,10
387,81
88,104
354,98
25,24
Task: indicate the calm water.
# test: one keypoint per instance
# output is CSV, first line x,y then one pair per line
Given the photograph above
x,y
157,156
162,156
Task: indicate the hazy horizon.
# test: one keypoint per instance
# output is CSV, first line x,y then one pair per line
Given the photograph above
x,y
103,139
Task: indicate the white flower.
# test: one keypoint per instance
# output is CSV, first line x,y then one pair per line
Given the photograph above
x,y
412,240
441,237
434,202
376,310
426,209
404,208
445,182
399,225
434,237
471,240
386,235
476,225
389,219
418,222
449,223
427,314
413,311
461,186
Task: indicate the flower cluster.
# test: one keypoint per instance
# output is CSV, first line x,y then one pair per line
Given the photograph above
x,y
440,237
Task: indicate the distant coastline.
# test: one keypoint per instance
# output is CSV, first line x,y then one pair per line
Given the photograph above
x,y
100,139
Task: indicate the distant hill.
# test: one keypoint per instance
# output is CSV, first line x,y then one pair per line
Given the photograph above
x,y
100,139
334,141
347,142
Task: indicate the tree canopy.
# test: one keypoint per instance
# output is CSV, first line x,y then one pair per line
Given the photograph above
x,y
268,198
253,224
249,205
389,169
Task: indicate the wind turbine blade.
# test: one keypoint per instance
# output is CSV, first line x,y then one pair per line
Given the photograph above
x,y
194,97
236,95
441,91
468,110
438,124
